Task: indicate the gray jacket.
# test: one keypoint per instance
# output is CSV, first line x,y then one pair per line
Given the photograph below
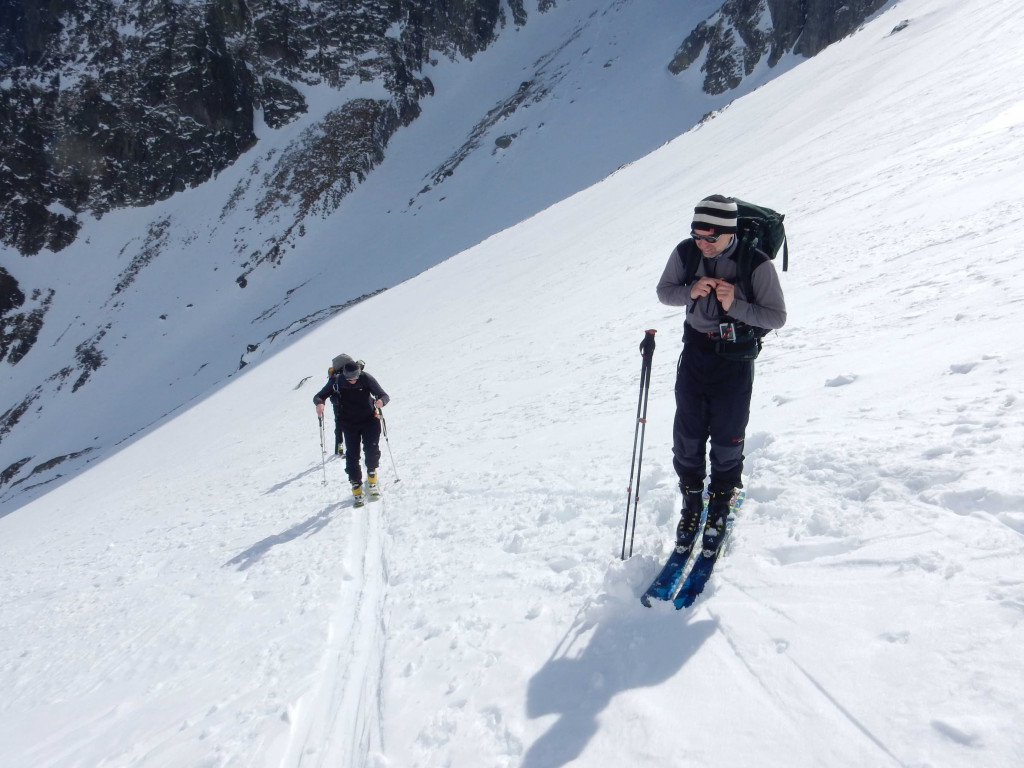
x,y
767,310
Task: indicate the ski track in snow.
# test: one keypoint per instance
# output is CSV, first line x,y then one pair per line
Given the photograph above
x,y
338,722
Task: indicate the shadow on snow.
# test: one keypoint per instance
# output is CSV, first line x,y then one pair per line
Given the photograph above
x,y
285,483
624,652
308,527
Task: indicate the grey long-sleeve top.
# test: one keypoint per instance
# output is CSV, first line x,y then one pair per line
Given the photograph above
x,y
767,310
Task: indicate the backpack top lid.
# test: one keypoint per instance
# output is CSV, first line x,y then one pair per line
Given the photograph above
x,y
338,363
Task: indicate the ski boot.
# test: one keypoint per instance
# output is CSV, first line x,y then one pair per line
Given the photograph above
x,y
371,485
719,502
357,494
689,520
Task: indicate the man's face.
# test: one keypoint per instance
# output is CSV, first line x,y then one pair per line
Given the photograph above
x,y
707,248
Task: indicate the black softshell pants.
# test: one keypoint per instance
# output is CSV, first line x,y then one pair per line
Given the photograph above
x,y
339,428
368,434
712,403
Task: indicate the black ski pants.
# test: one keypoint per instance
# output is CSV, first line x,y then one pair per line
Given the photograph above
x,y
339,427
368,434
712,403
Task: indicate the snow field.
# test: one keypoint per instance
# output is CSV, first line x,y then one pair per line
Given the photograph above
x,y
201,598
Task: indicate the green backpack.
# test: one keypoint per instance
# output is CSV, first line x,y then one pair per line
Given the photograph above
x,y
761,228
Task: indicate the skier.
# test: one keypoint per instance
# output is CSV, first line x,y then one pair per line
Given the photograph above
x,y
713,382
357,396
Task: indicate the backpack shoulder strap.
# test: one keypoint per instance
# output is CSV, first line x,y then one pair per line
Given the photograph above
x,y
690,255
747,260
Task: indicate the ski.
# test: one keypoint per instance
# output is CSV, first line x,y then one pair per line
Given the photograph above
x,y
370,494
666,583
704,563
696,580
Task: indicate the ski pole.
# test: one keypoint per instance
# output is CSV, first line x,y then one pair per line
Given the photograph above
x,y
647,354
323,448
384,429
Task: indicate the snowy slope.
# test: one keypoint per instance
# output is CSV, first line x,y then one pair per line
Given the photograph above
x,y
202,598
154,294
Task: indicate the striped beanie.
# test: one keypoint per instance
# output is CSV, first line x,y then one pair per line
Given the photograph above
x,y
716,213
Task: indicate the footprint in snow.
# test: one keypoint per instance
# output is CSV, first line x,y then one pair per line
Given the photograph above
x,y
965,738
896,637
841,381
962,367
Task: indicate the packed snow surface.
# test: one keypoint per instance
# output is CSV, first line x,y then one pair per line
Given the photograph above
x,y
208,596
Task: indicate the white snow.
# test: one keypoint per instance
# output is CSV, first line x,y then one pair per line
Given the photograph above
x,y
202,598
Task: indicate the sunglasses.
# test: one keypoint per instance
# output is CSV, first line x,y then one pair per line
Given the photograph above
x,y
706,238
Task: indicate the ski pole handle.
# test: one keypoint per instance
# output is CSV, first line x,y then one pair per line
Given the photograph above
x,y
647,345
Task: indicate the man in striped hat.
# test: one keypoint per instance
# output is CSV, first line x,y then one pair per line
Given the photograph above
x,y
715,374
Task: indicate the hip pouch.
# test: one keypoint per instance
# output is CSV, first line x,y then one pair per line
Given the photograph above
x,y
739,341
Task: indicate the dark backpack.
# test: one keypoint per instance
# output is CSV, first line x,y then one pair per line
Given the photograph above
x,y
339,362
762,228
757,228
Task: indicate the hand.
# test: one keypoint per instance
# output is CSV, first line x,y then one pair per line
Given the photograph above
x,y
319,410
726,293
378,403
703,287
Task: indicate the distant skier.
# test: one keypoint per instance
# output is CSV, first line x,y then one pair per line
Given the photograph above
x,y
356,396
713,380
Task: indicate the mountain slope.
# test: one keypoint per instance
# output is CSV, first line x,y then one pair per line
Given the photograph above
x,y
173,299
201,598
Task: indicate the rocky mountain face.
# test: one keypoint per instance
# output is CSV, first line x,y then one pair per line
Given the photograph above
x,y
743,33
113,103
109,104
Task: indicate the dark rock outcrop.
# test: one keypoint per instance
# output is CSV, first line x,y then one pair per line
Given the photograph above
x,y
742,33
20,329
112,103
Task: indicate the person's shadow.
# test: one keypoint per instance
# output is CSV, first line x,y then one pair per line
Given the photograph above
x,y
634,649
308,527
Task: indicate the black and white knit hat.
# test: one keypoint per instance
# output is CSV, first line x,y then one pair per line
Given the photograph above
x,y
716,213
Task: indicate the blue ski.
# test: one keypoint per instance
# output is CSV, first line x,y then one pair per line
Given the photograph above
x,y
667,582
704,563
